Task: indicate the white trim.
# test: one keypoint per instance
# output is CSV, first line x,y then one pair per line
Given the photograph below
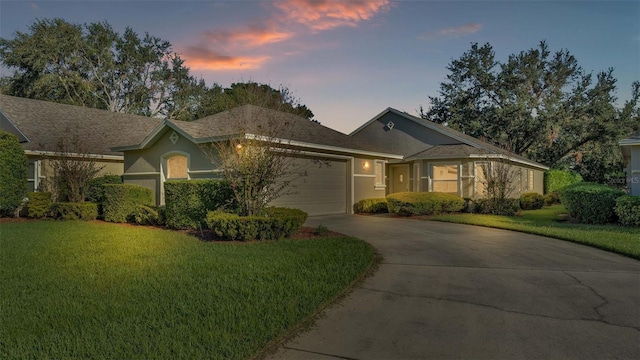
x,y
378,185
142,173
213,171
313,153
629,142
57,153
349,209
364,175
635,171
321,147
163,162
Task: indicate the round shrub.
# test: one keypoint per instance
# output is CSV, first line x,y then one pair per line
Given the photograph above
x,y
13,174
555,179
505,207
590,203
628,210
275,223
423,203
371,206
39,204
531,201
144,215
187,201
552,198
74,211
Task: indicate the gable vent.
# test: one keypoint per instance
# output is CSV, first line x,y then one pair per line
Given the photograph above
x,y
390,125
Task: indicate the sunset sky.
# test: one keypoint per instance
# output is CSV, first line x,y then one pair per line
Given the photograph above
x,y
349,60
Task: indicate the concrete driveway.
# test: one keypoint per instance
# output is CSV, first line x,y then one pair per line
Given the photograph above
x,y
448,291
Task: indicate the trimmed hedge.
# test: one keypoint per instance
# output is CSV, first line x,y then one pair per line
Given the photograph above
x,y
505,207
628,210
552,198
95,191
187,201
276,223
531,201
371,206
423,203
590,203
144,215
13,174
39,204
555,180
121,201
74,211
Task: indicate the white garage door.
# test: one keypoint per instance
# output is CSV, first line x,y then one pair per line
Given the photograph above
x,y
321,191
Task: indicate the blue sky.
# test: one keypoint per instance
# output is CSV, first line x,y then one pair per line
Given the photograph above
x,y
349,60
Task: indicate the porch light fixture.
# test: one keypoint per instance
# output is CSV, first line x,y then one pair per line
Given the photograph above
x,y
239,146
365,165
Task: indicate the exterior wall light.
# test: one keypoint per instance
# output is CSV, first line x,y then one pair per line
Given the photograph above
x,y
365,165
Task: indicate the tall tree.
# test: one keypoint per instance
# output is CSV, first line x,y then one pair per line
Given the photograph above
x,y
539,104
92,65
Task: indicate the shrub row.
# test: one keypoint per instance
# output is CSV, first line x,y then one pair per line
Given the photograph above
x,y
371,206
39,204
95,190
531,201
74,211
122,200
628,210
188,201
275,223
506,207
555,180
590,203
423,203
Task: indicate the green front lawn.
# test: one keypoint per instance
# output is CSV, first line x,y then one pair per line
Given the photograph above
x,y
99,290
548,222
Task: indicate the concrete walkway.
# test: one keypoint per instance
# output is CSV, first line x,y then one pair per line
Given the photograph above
x,y
448,291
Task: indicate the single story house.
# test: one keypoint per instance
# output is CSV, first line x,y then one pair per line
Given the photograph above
x,y
178,150
438,158
41,125
392,152
631,153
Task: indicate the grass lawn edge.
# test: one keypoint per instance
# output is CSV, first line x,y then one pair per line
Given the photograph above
x,y
305,324
541,232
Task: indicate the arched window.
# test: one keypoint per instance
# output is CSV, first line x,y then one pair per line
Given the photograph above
x,y
177,167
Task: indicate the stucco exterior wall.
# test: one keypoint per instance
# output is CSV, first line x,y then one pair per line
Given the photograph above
x,y
364,179
44,171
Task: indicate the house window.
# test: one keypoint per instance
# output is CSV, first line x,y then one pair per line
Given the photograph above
x,y
379,170
531,180
445,178
177,167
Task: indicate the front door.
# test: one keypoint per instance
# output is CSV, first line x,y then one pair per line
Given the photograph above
x,y
400,178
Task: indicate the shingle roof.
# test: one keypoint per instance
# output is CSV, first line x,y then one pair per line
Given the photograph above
x,y
454,134
255,120
44,123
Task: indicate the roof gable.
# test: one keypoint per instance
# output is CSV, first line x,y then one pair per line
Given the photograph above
x,y
419,132
256,122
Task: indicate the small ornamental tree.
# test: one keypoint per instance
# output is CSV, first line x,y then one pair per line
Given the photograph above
x,y
13,174
500,182
73,168
258,162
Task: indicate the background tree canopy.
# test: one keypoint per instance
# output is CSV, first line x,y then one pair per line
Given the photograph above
x,y
538,104
92,65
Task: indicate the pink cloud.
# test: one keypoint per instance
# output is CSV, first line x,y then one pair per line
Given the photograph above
x,y
254,35
34,6
452,33
204,59
327,14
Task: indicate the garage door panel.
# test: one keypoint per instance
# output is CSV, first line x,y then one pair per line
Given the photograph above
x,y
323,190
